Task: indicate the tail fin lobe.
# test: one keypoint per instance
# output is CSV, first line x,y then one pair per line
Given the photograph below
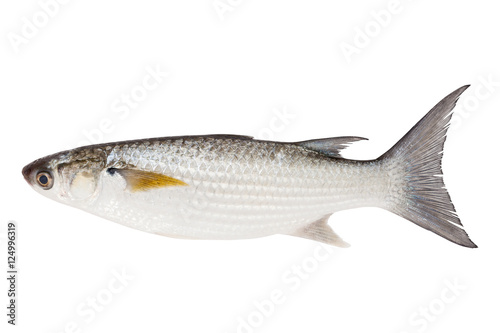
x,y
414,164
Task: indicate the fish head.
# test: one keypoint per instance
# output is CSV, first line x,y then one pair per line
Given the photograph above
x,y
71,177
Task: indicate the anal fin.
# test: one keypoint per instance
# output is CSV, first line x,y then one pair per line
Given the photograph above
x,y
320,231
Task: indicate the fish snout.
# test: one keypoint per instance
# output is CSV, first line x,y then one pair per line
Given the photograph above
x,y
28,172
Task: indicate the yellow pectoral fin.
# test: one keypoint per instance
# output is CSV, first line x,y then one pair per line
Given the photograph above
x,y
138,180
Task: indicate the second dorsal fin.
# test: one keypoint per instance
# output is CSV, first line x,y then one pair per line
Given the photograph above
x,y
329,146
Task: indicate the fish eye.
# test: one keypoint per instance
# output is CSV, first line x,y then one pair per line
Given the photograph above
x,y
44,179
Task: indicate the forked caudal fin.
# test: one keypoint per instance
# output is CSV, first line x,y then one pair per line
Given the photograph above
x,y
414,165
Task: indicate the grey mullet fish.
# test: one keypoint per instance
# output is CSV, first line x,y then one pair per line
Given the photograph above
x,y
235,187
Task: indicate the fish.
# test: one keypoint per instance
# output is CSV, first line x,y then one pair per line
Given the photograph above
x,y
236,187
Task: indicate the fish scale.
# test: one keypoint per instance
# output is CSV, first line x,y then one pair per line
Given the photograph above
x,y
248,178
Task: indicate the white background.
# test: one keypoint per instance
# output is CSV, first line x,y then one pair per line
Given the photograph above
x,y
233,72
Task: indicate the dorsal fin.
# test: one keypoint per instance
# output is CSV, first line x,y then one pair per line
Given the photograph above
x,y
227,136
330,146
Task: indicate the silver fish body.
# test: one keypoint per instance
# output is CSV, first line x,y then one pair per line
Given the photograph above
x,y
235,187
